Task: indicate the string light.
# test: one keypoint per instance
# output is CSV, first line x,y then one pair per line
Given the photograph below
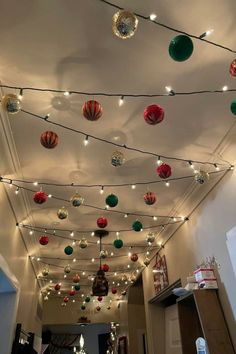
x,y
17,190
225,88
167,184
35,183
170,91
159,162
92,233
20,96
154,218
126,215
74,260
102,190
121,101
216,167
31,232
86,140
49,195
207,33
133,186
112,254
72,234
66,93
65,276
191,164
92,260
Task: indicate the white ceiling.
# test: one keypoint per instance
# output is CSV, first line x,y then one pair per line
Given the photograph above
x,y
69,45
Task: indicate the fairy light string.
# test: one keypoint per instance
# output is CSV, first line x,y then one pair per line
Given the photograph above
x,y
170,28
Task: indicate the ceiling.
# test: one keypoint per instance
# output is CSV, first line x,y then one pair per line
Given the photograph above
x,y
69,45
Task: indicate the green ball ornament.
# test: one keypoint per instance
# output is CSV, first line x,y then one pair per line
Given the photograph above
x,y
137,226
181,48
112,200
83,307
233,107
68,250
87,299
118,243
77,287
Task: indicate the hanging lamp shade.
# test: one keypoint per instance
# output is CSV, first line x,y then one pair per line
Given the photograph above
x,y
100,284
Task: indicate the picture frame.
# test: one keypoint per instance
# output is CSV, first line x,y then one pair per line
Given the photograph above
x,y
160,274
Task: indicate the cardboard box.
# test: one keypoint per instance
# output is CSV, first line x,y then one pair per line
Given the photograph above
x,y
208,284
204,273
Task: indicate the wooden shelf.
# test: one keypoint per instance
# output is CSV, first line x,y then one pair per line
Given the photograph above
x,y
201,315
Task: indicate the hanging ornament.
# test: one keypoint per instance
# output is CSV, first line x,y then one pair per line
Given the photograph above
x,y
150,237
134,257
123,292
114,291
83,243
181,48
67,268
149,198
153,114
124,277
201,177
232,68
108,307
92,110
112,200
164,171
57,287
40,197
49,139
77,287
87,299
98,308
117,158
83,307
66,299
137,226
11,103
146,261
233,107
118,243
62,213
102,222
100,298
105,268
72,292
45,271
43,240
103,254
77,200
68,250
124,24
76,279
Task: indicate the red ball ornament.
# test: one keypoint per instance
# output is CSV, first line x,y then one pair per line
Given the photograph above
x,y
66,299
49,140
100,298
105,267
57,287
76,279
72,292
164,171
43,240
114,291
102,222
92,110
98,308
40,197
232,68
153,114
134,257
149,198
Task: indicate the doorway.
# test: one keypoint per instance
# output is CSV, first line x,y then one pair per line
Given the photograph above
x,y
172,331
8,306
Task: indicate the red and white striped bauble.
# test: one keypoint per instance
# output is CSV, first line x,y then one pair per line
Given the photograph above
x,y
49,139
153,114
92,110
149,198
164,171
232,68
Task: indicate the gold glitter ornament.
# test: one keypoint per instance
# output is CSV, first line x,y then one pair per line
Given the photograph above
x,y
124,24
201,177
11,103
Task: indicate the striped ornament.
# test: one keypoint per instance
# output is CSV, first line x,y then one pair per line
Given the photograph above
x,y
232,68
153,114
92,110
149,198
49,140
164,171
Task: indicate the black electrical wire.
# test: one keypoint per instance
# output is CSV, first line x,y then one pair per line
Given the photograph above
x,y
147,18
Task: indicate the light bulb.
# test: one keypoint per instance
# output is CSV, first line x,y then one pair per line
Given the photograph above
x,y
154,218
72,234
49,195
128,266
210,31
216,167
17,190
66,93
74,260
225,88
153,17
102,190
35,183
93,260
167,184
129,254
92,233
86,140
65,276
133,186
117,233
126,215
121,101
112,254
31,232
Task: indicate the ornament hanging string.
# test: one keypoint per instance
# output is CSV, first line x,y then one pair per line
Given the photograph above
x,y
147,18
48,120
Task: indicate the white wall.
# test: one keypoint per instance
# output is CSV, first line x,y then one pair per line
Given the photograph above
x,y
202,236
